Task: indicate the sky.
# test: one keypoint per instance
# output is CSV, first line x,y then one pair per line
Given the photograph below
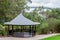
x,y
45,3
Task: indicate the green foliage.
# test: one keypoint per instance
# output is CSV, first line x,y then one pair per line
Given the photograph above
x,y
47,24
9,9
44,25
2,30
44,28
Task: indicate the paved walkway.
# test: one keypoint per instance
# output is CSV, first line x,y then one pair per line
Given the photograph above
x,y
37,37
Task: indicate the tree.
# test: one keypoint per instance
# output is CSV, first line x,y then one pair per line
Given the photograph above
x,y
11,8
1,11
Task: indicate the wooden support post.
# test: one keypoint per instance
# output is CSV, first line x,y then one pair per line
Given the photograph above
x,y
22,31
8,30
12,30
35,30
21,28
30,30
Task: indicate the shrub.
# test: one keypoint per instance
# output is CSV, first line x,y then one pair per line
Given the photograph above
x,y
2,30
44,28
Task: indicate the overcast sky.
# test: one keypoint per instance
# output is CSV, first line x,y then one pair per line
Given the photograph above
x,y
46,3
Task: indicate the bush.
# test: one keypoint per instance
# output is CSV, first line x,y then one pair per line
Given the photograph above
x,y
44,28
3,32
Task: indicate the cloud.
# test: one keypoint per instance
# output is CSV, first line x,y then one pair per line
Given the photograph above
x,y
46,3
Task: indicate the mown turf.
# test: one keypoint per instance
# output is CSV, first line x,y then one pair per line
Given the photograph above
x,y
57,37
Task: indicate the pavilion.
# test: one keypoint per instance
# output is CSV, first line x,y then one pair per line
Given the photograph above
x,y
22,21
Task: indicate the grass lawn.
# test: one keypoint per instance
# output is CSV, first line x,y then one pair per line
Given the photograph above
x,y
57,37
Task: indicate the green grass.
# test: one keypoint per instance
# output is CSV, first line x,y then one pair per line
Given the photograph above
x,y
57,37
